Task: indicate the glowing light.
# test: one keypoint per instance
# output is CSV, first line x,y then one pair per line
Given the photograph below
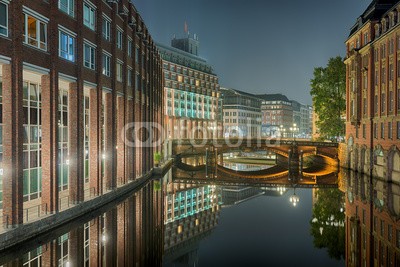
x,y
104,238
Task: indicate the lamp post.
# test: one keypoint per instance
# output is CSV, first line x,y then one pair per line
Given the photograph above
x,y
293,130
282,131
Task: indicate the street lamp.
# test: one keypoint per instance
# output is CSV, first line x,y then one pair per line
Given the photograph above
x,y
282,130
293,130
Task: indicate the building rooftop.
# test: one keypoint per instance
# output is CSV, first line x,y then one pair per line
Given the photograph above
x,y
181,57
236,92
273,97
374,11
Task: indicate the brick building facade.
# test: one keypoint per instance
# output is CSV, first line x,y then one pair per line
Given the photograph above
x,y
372,91
73,74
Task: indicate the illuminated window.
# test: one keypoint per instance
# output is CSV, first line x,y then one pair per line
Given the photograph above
x,y
197,222
180,229
35,32
180,78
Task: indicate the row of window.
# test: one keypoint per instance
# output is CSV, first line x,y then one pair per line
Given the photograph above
x,y
35,34
190,73
383,128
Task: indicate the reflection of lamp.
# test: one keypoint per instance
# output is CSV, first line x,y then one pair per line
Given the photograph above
x,y
294,199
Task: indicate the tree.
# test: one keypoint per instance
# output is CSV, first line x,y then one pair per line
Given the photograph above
x,y
328,91
327,225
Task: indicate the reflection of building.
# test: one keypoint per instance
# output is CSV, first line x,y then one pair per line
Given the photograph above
x,y
191,91
72,74
189,215
372,229
276,110
232,195
129,234
241,113
372,92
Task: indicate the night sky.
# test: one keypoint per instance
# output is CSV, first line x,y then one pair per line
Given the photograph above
x,y
259,46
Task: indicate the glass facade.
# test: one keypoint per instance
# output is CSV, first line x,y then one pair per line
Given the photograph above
x,y
63,140
32,165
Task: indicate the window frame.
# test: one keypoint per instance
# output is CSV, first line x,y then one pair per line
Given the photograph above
x,y
39,21
5,26
106,22
92,65
69,35
91,23
69,12
106,65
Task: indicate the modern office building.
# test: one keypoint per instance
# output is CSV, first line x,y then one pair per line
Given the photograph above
x,y
72,74
191,91
241,113
372,91
276,111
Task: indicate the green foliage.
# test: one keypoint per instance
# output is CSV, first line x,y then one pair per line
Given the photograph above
x,y
157,157
157,186
327,215
328,91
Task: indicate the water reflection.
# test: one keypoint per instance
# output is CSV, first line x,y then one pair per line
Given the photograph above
x,y
128,234
178,223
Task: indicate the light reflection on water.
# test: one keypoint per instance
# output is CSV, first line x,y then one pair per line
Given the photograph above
x,y
185,224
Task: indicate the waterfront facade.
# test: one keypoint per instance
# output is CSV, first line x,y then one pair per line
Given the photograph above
x,y
276,111
241,113
191,92
73,74
372,92
372,225
302,117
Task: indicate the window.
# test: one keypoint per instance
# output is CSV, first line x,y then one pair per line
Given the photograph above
x,y
375,131
398,130
137,81
365,106
137,54
364,131
67,6
106,28
89,55
129,47
391,72
106,65
382,130
89,15
3,19
129,78
66,46
391,101
35,32
119,39
383,102
119,72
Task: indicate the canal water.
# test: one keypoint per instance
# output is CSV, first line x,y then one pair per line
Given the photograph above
x,y
168,223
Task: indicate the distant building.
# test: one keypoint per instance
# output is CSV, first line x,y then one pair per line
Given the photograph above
x,y
305,126
191,91
241,113
372,91
276,111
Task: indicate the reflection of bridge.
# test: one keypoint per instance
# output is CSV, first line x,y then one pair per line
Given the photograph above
x,y
323,176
